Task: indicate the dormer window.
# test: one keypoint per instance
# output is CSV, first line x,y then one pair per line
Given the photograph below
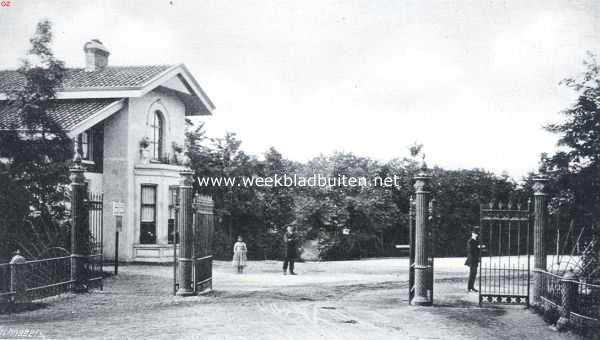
x,y
156,139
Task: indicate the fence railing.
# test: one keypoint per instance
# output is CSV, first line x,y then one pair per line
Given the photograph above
x,y
587,303
5,291
551,290
577,301
37,279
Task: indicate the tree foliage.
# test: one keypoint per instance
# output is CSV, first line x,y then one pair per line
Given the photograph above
x,y
36,149
574,169
375,218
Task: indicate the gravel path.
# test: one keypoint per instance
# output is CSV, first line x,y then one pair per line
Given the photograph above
x,y
328,300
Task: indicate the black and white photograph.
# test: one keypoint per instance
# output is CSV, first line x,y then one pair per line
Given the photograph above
x,y
298,170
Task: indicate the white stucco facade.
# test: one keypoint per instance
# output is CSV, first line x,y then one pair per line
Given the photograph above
x,y
124,173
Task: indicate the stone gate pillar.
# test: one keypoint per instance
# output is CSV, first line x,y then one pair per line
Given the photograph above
x,y
80,229
423,273
539,225
186,234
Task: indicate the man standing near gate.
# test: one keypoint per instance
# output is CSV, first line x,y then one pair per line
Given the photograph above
x,y
290,244
473,255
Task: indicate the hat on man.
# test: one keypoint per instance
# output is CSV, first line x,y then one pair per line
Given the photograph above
x,y
475,229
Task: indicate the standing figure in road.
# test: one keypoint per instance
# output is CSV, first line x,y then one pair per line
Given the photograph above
x,y
291,252
239,255
473,256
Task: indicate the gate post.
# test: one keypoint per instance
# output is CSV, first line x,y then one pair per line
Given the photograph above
x,y
539,225
186,234
423,273
79,226
18,283
569,292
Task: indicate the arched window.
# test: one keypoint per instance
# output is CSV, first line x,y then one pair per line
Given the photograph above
x,y
156,139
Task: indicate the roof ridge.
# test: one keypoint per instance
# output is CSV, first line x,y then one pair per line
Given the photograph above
x,y
109,66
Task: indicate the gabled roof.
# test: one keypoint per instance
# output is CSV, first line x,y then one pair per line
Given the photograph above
x,y
69,114
84,95
110,77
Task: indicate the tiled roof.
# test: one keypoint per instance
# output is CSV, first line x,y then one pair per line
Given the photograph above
x,y
67,113
79,78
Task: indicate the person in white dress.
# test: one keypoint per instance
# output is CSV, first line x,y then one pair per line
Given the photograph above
x,y
239,255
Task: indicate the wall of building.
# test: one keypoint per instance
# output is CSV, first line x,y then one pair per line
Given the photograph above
x,y
163,175
125,172
142,114
116,180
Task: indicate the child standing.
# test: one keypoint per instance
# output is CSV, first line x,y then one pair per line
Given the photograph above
x,y
239,255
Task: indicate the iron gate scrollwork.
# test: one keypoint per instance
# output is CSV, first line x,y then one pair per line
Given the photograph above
x,y
504,272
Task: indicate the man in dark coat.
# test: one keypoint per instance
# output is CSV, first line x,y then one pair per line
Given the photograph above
x,y
290,240
473,256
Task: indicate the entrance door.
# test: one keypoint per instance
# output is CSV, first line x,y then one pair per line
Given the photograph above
x,y
504,273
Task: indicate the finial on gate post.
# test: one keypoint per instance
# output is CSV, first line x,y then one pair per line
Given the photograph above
x,y
76,170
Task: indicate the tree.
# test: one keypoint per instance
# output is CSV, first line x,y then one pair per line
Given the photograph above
x,y
575,170
37,149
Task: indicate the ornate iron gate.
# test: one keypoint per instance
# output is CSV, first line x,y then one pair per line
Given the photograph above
x,y
411,249
204,230
504,273
202,242
95,261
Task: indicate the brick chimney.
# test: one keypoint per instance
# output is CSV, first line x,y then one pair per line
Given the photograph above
x,y
96,55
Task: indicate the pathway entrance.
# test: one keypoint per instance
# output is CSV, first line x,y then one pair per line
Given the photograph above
x,y
328,300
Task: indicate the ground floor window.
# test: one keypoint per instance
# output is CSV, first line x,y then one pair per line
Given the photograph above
x,y
148,214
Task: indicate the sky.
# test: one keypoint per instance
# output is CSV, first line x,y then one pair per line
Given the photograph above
x,y
474,81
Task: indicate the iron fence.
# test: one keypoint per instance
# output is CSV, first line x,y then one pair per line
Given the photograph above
x,y
43,278
550,288
47,277
5,291
587,302
583,308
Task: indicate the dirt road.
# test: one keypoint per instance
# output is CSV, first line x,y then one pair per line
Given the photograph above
x,y
328,300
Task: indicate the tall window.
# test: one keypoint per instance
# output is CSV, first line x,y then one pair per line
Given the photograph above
x,y
148,215
156,141
85,140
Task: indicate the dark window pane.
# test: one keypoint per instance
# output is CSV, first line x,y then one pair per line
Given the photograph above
x,y
148,215
148,233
